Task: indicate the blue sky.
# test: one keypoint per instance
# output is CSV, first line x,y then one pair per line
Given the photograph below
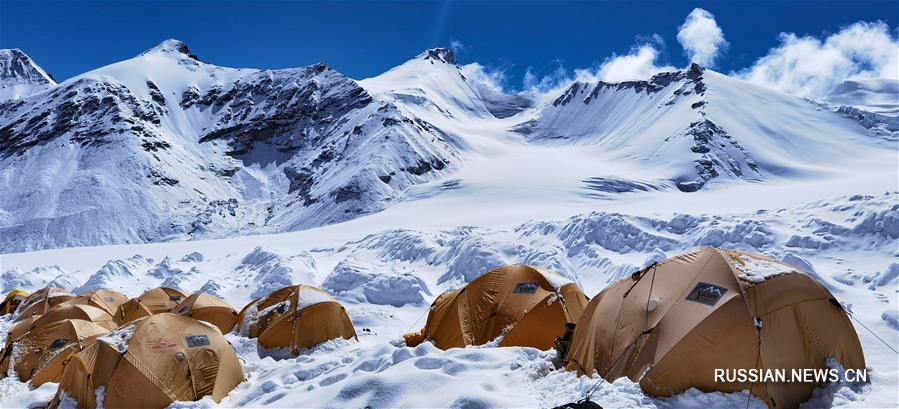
x,y
362,39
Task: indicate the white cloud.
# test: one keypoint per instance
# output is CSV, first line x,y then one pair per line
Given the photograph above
x,y
491,78
799,65
701,37
540,85
640,64
457,46
809,66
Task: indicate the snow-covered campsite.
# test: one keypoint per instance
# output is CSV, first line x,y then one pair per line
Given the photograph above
x,y
166,170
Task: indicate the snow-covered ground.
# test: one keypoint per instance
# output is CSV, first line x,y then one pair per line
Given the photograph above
x,y
388,277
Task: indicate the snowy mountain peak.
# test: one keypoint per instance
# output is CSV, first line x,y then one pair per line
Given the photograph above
x,y
20,76
172,46
586,92
15,64
444,55
877,95
695,69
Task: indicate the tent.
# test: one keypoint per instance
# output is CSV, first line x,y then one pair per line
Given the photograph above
x,y
671,325
76,312
11,301
295,317
53,369
528,306
151,363
19,328
37,347
107,300
153,301
208,308
40,301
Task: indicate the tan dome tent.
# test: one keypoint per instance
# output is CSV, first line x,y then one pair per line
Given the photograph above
x,y
37,347
41,301
154,301
535,303
76,312
106,300
59,313
20,328
671,325
151,363
296,317
208,308
53,369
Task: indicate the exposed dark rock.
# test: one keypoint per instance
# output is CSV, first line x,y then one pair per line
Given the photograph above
x,y
301,181
154,146
351,191
441,54
285,109
568,95
719,152
189,97
87,111
424,167
156,94
160,179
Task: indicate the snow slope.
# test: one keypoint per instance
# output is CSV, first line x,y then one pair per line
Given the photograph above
x,y
698,125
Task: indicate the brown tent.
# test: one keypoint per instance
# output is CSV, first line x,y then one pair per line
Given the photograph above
x,y
40,301
37,347
107,300
53,369
671,325
151,363
76,312
208,308
20,328
528,305
154,301
296,317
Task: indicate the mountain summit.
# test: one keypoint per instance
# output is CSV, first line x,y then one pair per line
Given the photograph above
x,y
444,55
172,46
20,76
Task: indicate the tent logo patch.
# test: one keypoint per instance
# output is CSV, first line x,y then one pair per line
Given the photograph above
x,y
174,298
59,343
162,345
706,293
108,299
194,341
525,288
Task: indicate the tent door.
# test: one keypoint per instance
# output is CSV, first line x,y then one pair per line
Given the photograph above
x,y
204,367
